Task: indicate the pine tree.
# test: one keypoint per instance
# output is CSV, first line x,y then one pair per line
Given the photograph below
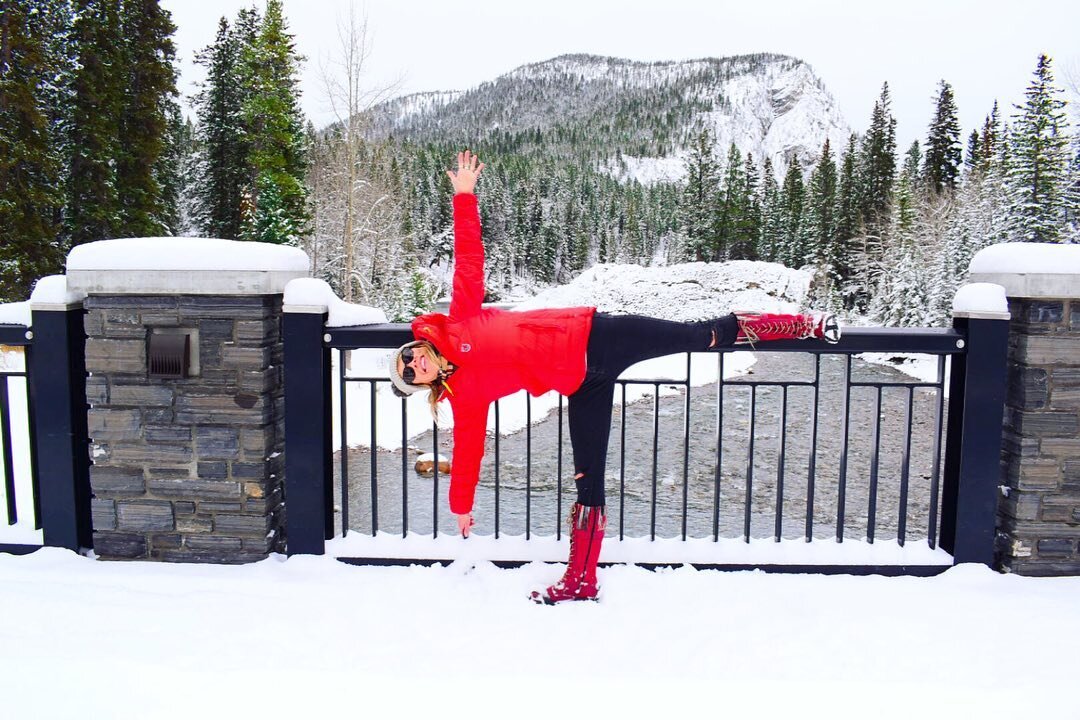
x,y
821,210
272,116
847,214
793,251
168,169
877,171
30,167
990,138
93,205
748,230
180,178
1072,194
222,163
772,216
149,90
972,155
698,206
907,191
1039,161
731,205
942,161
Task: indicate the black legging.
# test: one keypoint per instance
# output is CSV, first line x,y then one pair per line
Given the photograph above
x,y
615,343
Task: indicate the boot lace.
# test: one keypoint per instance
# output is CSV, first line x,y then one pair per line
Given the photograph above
x,y
799,327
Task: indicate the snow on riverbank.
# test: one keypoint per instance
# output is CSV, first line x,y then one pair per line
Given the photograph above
x,y
688,291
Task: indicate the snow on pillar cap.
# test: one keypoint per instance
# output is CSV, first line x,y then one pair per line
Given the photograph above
x,y
52,293
983,301
1029,270
183,266
311,295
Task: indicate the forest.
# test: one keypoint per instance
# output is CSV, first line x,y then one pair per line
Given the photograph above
x,y
94,145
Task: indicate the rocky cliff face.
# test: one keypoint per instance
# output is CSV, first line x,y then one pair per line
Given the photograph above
x,y
634,119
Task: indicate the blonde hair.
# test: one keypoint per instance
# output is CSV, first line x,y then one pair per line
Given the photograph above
x,y
439,385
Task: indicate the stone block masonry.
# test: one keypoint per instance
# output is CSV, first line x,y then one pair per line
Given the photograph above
x,y
1039,512
189,469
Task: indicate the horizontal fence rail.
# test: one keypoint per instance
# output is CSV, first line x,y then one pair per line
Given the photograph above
x,y
825,449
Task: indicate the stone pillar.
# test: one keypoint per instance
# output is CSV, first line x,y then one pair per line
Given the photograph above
x,y
1039,511
187,469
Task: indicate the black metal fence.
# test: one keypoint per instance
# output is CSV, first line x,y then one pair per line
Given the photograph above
x,y
54,433
819,455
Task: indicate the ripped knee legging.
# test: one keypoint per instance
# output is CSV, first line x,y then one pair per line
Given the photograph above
x,y
615,343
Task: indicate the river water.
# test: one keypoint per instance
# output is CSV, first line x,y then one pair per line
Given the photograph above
x,y
743,499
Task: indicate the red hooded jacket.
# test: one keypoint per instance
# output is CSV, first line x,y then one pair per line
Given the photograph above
x,y
496,352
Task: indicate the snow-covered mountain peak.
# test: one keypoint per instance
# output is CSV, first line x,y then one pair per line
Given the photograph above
x,y
635,119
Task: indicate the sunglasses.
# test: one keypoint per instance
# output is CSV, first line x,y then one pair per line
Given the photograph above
x,y
408,374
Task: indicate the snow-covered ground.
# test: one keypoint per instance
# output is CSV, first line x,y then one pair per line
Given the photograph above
x,y
310,635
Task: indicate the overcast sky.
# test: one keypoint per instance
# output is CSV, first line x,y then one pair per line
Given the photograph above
x,y
986,49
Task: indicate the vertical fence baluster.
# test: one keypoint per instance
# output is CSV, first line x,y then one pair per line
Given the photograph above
x,y
686,448
749,491
404,468
935,477
905,469
655,446
498,435
622,463
841,496
778,528
871,510
558,478
719,444
343,445
528,465
374,468
5,438
811,467
435,481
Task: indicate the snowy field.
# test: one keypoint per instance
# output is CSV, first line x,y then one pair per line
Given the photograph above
x,y
310,635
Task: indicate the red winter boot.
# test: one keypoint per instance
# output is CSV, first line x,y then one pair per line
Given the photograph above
x,y
763,327
579,581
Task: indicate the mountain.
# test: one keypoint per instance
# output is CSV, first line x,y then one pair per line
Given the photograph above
x,y
631,119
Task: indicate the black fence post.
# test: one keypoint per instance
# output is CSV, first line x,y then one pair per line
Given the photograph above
x,y
56,385
973,444
309,511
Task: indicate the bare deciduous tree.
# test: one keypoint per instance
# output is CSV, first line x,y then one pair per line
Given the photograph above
x,y
358,243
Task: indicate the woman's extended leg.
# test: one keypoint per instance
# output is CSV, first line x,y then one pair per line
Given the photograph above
x,y
618,341
590,423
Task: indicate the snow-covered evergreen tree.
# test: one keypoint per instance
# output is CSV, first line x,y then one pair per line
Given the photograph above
x,y
93,204
222,159
698,206
772,215
1039,161
821,210
748,230
274,123
731,205
148,85
943,151
793,242
877,166
30,166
